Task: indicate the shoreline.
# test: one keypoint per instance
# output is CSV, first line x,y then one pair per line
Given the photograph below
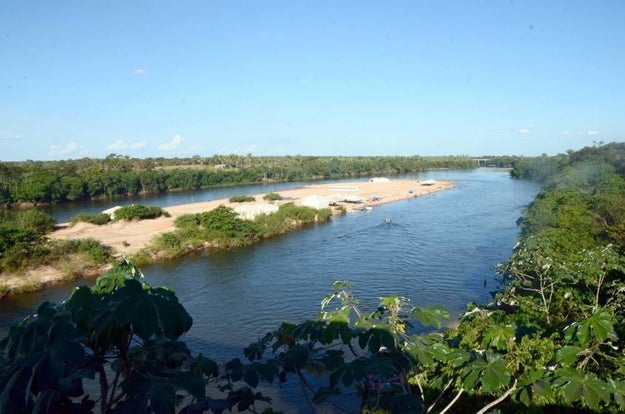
x,y
127,238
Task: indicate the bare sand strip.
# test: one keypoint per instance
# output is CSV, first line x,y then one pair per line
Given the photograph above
x,y
127,238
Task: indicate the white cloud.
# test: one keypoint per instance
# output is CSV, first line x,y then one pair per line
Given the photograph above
x,y
592,132
117,145
565,133
523,131
120,144
140,72
71,147
172,145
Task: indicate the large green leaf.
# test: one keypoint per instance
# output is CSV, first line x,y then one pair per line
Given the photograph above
x,y
499,336
533,383
599,326
567,355
578,385
374,338
492,373
617,388
432,316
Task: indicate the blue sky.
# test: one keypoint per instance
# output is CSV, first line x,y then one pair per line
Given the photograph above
x,y
324,77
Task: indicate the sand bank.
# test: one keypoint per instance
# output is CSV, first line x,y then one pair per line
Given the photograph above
x,y
127,238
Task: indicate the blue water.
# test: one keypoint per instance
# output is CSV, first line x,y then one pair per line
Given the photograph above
x,y
437,250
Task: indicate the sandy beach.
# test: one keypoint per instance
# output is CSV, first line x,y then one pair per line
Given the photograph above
x,y
127,238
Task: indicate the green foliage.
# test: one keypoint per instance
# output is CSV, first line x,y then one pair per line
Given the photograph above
x,y
139,212
187,221
120,176
23,246
223,228
35,220
223,223
550,340
241,199
97,219
124,337
272,197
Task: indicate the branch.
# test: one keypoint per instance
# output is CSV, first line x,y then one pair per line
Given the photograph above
x,y
452,401
303,383
104,389
431,407
498,400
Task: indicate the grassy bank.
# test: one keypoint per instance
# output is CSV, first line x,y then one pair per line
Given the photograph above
x,y
222,228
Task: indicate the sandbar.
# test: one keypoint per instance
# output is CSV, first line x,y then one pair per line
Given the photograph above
x,y
127,238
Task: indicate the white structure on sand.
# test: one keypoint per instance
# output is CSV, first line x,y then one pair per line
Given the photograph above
x,y
250,211
111,211
315,201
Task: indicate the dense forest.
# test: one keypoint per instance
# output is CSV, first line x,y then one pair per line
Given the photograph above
x,y
117,176
549,341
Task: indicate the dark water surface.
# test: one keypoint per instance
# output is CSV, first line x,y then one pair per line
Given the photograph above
x,y
437,250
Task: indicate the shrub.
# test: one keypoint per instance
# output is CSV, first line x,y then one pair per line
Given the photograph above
x,y
241,199
272,197
98,219
35,220
12,236
224,223
139,212
187,221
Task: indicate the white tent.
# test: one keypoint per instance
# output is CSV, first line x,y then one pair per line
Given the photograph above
x,y
250,211
315,201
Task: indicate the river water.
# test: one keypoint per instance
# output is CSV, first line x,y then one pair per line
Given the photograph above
x,y
438,250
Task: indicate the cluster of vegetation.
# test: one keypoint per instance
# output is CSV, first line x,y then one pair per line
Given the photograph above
x,y
242,199
97,219
24,245
222,227
131,212
116,176
272,197
139,212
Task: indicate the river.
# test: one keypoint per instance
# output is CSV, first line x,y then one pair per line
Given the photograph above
x,y
438,250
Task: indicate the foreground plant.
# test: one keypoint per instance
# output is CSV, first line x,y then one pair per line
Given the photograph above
x,y
121,337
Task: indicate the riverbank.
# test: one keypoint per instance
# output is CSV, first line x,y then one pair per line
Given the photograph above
x,y
127,238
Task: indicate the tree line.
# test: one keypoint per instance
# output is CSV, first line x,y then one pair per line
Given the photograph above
x,y
39,182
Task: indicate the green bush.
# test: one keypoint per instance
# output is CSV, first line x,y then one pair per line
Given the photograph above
x,y
272,197
139,212
12,236
35,220
98,219
187,221
224,223
241,199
